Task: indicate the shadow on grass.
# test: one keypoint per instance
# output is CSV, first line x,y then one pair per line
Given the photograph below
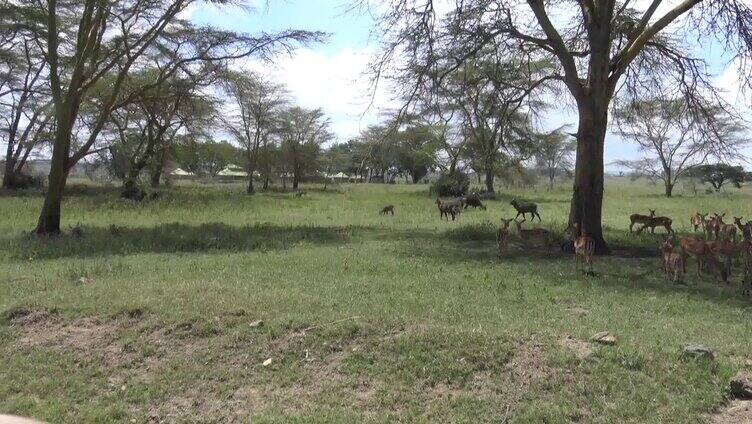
x,y
177,238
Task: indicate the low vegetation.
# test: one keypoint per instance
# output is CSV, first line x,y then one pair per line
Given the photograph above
x,y
203,305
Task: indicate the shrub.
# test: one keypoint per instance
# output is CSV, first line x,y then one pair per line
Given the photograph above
x,y
451,184
21,181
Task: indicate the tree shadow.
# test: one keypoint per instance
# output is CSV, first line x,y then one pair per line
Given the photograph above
x,y
175,238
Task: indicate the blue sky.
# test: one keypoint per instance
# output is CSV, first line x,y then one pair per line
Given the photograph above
x,y
330,75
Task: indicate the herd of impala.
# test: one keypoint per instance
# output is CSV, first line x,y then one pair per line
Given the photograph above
x,y
714,249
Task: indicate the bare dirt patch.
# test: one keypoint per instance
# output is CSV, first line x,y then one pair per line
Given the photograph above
x,y
735,412
579,348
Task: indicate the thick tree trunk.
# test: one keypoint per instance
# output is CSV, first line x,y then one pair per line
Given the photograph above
x,y
587,197
669,189
49,217
295,181
490,181
266,181
250,189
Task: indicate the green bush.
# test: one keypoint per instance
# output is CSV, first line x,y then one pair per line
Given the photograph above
x,y
453,184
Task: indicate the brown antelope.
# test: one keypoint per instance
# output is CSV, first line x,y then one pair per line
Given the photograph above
x,y
657,221
713,225
728,231
697,220
726,249
746,229
584,249
448,208
746,248
701,251
673,263
502,235
636,218
387,209
540,234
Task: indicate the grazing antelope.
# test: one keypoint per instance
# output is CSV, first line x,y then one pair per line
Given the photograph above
x,y
474,201
636,218
540,234
584,248
448,208
387,209
697,220
673,263
502,235
657,221
701,251
525,207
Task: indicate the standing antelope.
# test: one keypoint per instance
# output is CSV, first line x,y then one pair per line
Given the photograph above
x,y
673,263
726,249
636,218
657,221
701,251
448,208
713,225
502,235
697,220
584,248
746,229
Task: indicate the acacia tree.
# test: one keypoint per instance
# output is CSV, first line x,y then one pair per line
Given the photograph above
x,y
676,139
88,40
601,51
719,174
257,103
24,96
554,152
303,131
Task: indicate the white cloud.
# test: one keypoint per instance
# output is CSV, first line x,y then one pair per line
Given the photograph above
x,y
335,82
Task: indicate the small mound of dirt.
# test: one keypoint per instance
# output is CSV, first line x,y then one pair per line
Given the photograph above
x,y
579,348
736,412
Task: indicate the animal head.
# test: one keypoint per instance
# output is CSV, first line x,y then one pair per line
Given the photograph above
x,y
668,245
438,202
738,220
505,223
513,202
652,212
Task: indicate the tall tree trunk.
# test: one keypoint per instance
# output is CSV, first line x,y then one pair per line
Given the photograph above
x,y
489,181
249,189
669,189
295,180
587,197
266,181
49,217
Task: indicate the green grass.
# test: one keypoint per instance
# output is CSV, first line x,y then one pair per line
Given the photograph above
x,y
366,318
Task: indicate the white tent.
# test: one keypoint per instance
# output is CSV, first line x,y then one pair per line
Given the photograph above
x,y
232,172
179,172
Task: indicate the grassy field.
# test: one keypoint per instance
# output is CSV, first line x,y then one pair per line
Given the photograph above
x,y
153,314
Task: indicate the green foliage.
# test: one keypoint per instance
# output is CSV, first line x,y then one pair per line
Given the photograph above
x,y
453,184
720,174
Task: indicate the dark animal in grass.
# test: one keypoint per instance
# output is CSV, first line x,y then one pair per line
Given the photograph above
x,y
746,229
387,209
636,218
474,201
448,208
300,193
524,208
